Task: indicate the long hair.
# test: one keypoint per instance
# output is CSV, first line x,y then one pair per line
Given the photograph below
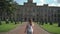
x,y
30,21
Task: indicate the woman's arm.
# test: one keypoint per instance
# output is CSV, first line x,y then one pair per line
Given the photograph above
x,y
25,29
33,28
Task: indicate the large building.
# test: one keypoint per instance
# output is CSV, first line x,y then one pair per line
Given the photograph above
x,y
37,13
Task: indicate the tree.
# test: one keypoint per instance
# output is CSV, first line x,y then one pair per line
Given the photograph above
x,y
51,21
0,11
46,21
9,6
37,18
0,22
58,18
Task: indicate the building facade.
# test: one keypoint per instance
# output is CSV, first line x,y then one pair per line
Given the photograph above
x,y
37,13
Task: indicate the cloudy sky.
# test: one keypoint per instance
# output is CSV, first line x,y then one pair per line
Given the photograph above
x,y
41,2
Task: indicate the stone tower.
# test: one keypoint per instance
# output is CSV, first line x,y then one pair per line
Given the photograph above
x,y
30,1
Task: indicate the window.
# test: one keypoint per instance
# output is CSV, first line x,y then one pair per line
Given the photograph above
x,y
58,11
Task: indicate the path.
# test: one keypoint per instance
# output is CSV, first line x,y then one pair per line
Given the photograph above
x,y
20,30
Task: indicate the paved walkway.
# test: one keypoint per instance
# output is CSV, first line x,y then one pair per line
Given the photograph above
x,y
20,30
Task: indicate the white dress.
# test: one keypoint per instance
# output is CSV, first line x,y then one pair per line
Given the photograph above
x,y
30,28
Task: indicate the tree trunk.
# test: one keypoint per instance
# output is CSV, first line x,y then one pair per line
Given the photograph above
x,y
58,24
39,23
7,22
42,23
46,23
21,22
15,22
51,23
0,23
11,21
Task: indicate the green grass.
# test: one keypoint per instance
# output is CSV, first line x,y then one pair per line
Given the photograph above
x,y
7,27
54,29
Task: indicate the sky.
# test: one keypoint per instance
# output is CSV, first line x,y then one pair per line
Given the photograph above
x,y
41,2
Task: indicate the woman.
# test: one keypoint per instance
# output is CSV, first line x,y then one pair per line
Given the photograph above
x,y
29,27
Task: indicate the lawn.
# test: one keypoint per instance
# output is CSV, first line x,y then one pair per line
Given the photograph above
x,y
54,29
7,27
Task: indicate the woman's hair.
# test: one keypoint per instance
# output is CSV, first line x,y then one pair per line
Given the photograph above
x,y
30,21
